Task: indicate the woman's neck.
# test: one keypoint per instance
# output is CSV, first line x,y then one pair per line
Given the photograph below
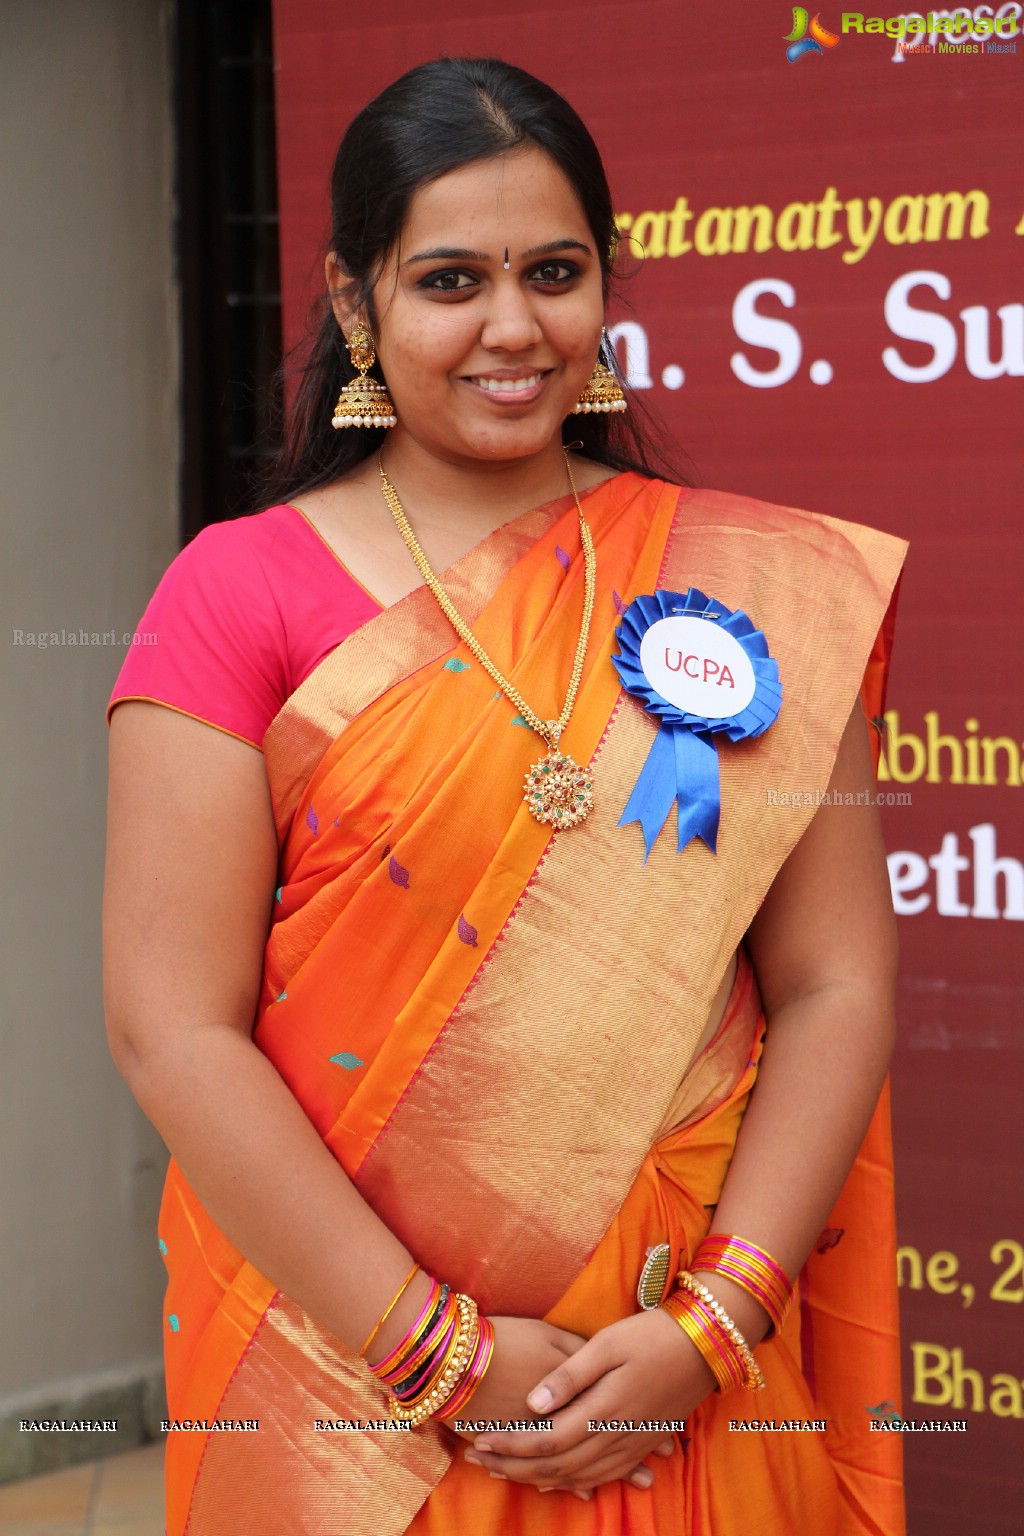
x,y
478,492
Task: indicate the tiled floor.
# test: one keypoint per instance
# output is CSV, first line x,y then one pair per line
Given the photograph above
x,y
120,1496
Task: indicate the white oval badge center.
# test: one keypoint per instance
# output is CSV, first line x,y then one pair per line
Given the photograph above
x,y
697,667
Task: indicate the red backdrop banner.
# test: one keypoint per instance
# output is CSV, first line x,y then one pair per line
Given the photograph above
x,y
828,312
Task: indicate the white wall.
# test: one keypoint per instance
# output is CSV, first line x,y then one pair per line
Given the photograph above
x,y
88,503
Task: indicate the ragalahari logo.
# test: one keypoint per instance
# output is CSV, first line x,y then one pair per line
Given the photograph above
x,y
798,40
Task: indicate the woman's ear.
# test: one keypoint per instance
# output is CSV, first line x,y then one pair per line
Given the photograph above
x,y
338,285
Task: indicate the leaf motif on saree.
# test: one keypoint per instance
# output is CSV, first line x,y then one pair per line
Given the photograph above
x,y
453,664
399,875
347,1060
467,933
312,820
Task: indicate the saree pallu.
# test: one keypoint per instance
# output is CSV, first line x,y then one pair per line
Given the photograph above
x,y
493,1028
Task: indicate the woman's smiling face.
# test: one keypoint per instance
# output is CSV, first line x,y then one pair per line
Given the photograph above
x,y
484,360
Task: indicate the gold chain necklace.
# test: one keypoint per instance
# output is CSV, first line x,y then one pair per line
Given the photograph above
x,y
557,790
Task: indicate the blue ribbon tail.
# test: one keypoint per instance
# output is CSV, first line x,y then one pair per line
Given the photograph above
x,y
655,789
698,787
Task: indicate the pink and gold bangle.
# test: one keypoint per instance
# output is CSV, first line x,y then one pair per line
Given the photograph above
x,y
410,1383
419,1352
749,1267
721,1362
451,1347
442,1358
412,1394
393,1360
476,1372
718,1348
748,1258
392,1304
752,1377
442,1386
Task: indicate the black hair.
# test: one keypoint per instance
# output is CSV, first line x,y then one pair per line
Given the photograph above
x,y
435,119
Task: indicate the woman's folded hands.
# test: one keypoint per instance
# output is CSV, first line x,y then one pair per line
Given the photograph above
x,y
640,1369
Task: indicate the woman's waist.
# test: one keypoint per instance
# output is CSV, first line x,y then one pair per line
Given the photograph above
x,y
673,1196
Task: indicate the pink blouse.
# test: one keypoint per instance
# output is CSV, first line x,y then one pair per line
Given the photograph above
x,y
241,616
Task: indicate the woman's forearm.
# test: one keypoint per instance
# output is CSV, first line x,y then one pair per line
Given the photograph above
x,y
270,1184
823,1065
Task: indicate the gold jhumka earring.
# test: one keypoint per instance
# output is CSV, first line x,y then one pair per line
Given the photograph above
x,y
603,391
363,402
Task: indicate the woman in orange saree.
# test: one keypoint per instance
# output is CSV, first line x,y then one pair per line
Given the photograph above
x,y
532,1054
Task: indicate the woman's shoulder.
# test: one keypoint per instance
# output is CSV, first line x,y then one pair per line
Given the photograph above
x,y
269,543
241,558
232,579
730,509
241,616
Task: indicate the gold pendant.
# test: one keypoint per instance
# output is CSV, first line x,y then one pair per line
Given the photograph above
x,y
558,791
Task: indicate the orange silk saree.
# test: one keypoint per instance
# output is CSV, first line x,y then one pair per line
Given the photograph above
x,y
493,1028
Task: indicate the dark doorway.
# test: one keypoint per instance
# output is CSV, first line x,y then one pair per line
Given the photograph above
x,y
227,251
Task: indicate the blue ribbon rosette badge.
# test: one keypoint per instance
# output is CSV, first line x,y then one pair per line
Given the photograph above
x,y
704,670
